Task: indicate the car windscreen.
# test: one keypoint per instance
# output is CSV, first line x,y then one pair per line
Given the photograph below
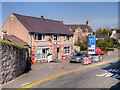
x,y
79,54
82,54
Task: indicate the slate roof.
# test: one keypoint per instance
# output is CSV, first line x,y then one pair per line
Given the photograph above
x,y
46,26
102,36
81,26
14,39
117,35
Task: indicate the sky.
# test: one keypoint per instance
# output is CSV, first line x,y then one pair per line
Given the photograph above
x,y
100,14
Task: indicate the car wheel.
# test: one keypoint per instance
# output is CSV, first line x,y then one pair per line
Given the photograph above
x,y
70,61
82,62
79,61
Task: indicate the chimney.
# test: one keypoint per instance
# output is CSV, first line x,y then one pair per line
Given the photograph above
x,y
62,21
87,23
42,17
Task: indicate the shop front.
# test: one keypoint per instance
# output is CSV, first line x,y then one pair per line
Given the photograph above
x,y
42,52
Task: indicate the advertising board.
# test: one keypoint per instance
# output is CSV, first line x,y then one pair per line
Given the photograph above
x,y
91,44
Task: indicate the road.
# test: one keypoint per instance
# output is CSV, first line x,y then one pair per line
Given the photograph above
x,y
104,76
70,75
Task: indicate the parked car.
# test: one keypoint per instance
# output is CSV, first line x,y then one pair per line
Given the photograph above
x,y
95,58
78,57
99,51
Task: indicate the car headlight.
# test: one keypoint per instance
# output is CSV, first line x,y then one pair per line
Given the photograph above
x,y
78,58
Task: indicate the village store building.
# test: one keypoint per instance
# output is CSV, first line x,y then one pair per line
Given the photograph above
x,y
44,36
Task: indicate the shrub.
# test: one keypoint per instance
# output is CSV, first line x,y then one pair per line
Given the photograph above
x,y
11,44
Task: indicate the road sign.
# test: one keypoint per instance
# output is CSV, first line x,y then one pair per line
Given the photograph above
x,y
91,44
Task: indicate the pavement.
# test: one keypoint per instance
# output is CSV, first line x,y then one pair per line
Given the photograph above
x,y
44,70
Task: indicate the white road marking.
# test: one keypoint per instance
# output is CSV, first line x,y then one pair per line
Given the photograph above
x,y
116,75
101,75
110,69
109,74
113,73
25,84
113,70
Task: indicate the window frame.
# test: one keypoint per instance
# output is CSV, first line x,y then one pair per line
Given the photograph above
x,y
68,37
57,37
42,37
67,49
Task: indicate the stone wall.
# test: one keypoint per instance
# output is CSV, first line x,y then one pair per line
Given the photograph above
x,y
14,62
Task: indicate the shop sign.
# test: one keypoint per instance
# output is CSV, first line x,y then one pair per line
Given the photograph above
x,y
41,47
91,44
66,45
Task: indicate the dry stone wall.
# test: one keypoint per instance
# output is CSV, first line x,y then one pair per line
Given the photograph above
x,y
13,60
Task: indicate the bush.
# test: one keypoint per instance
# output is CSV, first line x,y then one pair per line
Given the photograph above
x,y
107,43
11,44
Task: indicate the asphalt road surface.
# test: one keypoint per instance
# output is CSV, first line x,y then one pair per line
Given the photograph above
x,y
105,76
80,76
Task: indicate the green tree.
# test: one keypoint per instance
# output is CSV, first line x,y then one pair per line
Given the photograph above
x,y
83,44
102,31
107,43
102,44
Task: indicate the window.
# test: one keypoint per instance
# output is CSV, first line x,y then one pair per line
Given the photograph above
x,y
67,50
57,37
42,53
40,37
67,38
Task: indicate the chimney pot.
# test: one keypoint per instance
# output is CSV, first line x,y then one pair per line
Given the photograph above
x,y
87,23
42,17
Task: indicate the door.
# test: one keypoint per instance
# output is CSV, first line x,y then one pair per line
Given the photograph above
x,y
58,53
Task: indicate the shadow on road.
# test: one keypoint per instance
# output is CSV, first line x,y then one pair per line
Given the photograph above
x,y
114,69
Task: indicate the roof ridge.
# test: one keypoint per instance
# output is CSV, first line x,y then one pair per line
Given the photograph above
x,y
23,15
76,24
34,17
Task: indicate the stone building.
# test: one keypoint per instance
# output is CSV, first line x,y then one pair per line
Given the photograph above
x,y
80,31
